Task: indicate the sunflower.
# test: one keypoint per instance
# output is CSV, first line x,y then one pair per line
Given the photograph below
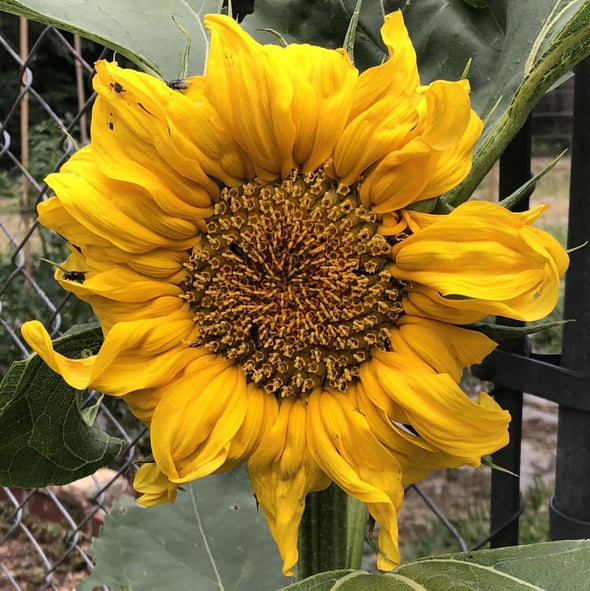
x,y
265,293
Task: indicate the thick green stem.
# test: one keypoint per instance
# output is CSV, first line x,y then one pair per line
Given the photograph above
x,y
331,533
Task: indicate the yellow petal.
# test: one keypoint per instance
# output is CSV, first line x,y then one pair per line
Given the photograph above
x,y
420,300
442,140
393,121
123,156
117,205
398,76
130,112
261,413
285,107
154,485
52,214
198,134
446,348
282,473
454,164
483,252
252,94
416,456
439,411
142,403
323,87
197,417
158,263
134,355
342,443
384,127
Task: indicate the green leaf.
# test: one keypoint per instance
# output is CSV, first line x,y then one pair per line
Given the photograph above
x,y
550,566
45,437
212,538
143,32
322,582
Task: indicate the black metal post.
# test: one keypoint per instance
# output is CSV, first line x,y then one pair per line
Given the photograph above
x,y
570,507
515,170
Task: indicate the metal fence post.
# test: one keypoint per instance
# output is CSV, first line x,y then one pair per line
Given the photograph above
x,y
505,503
570,507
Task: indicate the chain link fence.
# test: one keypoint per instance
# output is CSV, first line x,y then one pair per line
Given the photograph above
x,y
44,109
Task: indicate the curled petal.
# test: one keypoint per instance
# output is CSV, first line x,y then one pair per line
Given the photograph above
x,y
134,355
292,102
446,348
397,77
282,473
116,205
342,443
439,411
482,252
417,457
154,486
130,120
261,413
437,157
197,418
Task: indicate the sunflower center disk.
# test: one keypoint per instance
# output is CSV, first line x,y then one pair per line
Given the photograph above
x,y
291,281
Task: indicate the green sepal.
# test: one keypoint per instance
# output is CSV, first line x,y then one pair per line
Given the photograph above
x,y
350,37
489,464
89,413
499,332
513,199
46,438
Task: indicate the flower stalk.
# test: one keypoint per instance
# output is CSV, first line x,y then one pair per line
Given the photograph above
x,y
331,534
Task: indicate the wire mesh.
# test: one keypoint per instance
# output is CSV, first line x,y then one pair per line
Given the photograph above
x,y
45,534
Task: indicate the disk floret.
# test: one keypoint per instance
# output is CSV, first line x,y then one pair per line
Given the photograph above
x,y
291,280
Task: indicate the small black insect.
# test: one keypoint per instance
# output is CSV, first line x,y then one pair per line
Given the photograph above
x,y
117,88
76,276
111,125
180,84
239,252
255,335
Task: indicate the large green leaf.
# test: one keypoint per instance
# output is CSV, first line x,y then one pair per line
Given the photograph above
x,y
550,566
45,437
321,582
144,32
212,539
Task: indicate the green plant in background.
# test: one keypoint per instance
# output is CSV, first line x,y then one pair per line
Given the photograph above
x,y
552,36
47,147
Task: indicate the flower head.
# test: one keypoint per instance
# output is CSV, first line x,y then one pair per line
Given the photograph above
x,y
264,293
